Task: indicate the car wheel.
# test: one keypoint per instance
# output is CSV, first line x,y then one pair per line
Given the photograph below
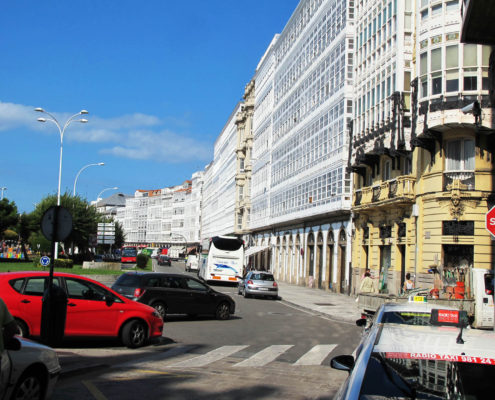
x,y
134,334
30,386
223,311
160,308
23,329
239,291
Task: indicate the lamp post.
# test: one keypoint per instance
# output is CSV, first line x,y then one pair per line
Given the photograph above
x,y
81,170
61,130
104,190
2,189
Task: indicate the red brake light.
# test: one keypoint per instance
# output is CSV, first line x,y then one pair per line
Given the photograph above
x,y
488,291
138,292
274,284
250,282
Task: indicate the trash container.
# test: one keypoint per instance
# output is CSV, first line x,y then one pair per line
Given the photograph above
x,y
53,315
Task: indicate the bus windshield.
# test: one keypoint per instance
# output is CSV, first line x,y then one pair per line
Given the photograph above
x,y
129,252
227,244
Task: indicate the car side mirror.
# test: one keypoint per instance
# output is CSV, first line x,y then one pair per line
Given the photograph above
x,y
13,344
109,300
343,363
361,322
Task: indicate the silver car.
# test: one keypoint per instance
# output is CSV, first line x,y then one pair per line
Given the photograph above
x,y
258,283
29,370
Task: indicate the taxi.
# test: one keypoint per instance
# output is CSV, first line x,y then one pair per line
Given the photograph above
x,y
442,360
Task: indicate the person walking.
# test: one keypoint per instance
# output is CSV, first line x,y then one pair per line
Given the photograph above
x,y
367,284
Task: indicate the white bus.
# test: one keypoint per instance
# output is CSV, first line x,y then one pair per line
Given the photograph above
x,y
225,261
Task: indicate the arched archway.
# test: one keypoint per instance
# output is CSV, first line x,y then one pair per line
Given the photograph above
x,y
277,258
310,250
319,260
342,260
290,260
329,259
298,257
284,259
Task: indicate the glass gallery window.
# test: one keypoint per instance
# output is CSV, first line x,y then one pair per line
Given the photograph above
x,y
460,155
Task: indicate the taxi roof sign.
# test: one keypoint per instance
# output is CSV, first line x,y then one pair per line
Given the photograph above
x,y
418,299
441,317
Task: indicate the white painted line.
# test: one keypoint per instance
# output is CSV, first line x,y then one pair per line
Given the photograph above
x,y
209,357
264,356
316,355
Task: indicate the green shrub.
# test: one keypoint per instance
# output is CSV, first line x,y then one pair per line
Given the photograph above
x,y
63,263
142,260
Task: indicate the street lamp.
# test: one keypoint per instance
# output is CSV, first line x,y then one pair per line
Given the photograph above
x,y
81,170
61,131
104,190
2,189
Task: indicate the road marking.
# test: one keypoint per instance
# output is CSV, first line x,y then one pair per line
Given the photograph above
x,y
94,391
316,355
209,357
264,356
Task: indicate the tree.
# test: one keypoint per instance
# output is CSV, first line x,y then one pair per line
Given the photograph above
x,y
85,219
8,215
24,229
119,235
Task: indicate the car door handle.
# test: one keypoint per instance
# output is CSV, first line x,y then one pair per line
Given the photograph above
x,y
71,304
25,301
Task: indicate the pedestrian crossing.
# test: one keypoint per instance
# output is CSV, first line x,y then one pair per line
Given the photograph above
x,y
312,357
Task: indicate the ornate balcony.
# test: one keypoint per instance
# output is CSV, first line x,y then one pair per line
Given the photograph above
x,y
394,191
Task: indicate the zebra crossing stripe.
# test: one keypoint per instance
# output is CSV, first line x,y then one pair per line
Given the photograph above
x,y
264,356
209,357
316,355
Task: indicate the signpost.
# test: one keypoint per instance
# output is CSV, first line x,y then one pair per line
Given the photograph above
x,y
490,221
106,233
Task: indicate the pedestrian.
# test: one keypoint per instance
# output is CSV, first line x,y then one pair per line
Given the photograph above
x,y
367,284
408,283
368,271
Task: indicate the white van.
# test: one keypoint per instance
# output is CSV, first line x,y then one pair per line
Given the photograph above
x,y
192,263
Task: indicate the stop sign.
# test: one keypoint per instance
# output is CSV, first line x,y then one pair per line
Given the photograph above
x,y
490,221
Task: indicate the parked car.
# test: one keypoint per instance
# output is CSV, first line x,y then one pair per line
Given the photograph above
x,y
164,260
258,283
435,361
28,371
92,308
174,294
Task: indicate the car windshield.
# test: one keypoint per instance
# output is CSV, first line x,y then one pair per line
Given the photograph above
x,y
411,376
130,280
406,317
262,277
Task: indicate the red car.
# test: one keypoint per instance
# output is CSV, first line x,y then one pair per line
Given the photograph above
x,y
93,309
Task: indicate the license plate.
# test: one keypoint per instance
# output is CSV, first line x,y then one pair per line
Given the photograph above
x,y
263,288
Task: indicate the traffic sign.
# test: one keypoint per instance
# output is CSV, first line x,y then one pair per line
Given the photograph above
x,y
64,223
45,261
490,221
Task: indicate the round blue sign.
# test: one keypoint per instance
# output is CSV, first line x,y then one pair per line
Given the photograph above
x,y
45,261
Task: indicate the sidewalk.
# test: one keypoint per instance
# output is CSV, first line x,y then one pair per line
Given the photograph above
x,y
339,307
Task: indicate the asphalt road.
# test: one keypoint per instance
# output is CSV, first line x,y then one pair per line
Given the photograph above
x,y
267,350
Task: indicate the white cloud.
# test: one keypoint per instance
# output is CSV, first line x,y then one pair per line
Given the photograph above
x,y
13,116
164,146
135,136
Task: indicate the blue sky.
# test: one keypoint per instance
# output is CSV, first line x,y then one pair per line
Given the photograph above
x,y
159,79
